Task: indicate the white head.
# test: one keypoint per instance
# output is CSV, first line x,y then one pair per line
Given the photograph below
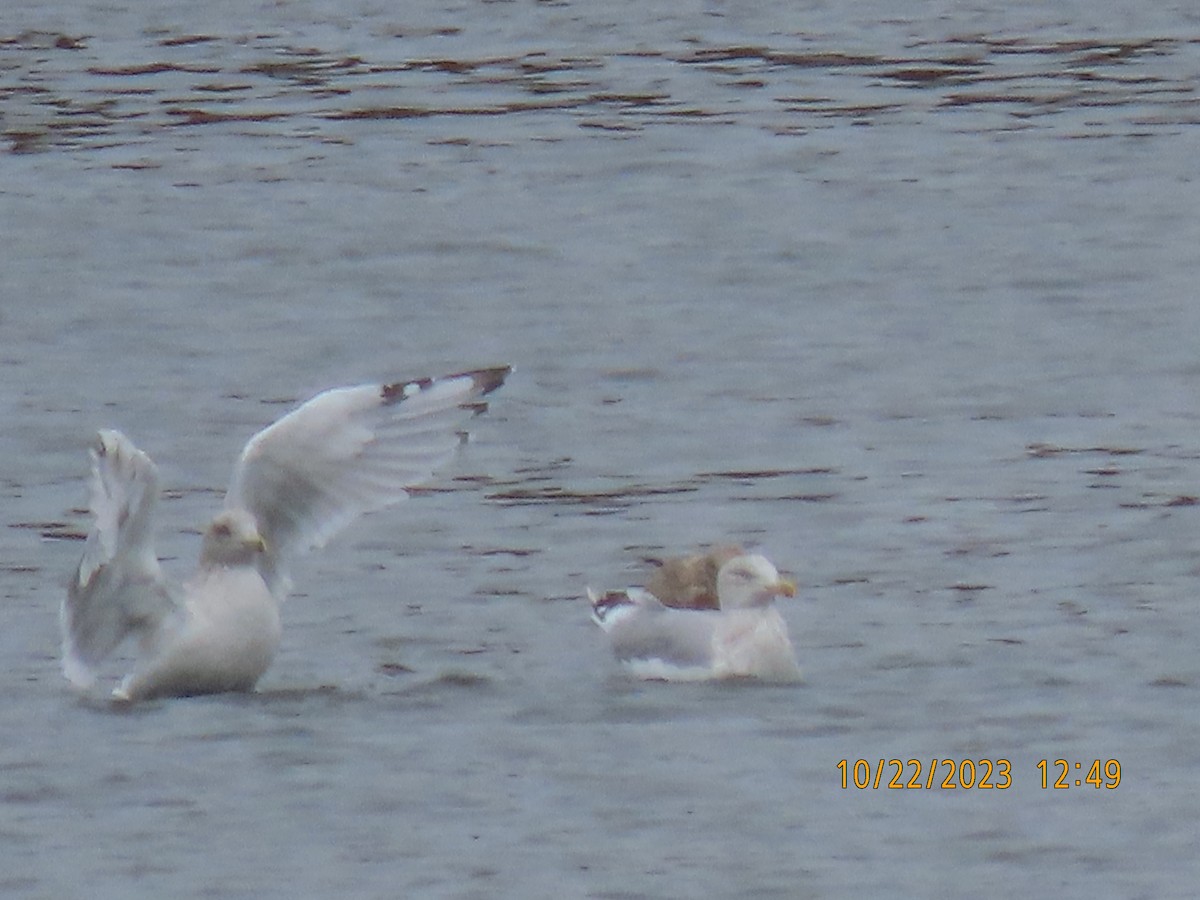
x,y
232,539
750,581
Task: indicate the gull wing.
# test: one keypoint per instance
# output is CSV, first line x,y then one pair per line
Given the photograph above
x,y
350,451
646,635
118,588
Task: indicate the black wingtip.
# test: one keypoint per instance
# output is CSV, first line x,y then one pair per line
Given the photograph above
x,y
603,605
484,382
487,380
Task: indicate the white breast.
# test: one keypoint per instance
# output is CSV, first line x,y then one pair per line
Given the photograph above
x,y
224,641
754,643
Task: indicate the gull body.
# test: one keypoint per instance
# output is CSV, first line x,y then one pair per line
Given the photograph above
x,y
745,638
297,483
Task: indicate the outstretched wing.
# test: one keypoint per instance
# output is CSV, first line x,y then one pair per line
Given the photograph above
x,y
350,451
118,588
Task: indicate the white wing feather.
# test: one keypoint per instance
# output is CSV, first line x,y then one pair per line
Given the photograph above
x,y
118,588
347,452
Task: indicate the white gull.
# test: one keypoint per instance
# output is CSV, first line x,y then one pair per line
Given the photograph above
x,y
297,483
745,638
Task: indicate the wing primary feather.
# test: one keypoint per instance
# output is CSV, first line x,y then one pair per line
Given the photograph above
x,y
484,381
350,451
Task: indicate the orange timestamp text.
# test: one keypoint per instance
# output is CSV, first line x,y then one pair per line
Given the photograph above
x,y
972,774
926,774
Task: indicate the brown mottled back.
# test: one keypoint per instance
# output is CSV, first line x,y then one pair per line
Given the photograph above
x,y
690,582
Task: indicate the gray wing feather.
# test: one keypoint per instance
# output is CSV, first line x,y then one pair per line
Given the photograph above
x,y
676,637
118,588
347,452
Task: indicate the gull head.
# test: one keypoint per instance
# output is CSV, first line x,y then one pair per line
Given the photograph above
x,y
232,539
750,581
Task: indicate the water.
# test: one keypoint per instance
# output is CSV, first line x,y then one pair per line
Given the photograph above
x,y
905,298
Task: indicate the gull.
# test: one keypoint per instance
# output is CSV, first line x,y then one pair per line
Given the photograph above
x,y
745,638
690,582
296,484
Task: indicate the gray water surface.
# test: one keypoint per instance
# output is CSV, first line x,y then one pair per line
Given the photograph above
x,y
904,297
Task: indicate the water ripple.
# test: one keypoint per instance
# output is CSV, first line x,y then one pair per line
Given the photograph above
x,y
62,93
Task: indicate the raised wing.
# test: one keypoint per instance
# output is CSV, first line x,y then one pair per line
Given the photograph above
x,y
118,588
350,451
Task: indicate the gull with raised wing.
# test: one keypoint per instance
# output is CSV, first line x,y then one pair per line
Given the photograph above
x,y
297,483
745,638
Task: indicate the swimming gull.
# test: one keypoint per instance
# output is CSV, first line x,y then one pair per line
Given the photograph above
x,y
745,638
297,483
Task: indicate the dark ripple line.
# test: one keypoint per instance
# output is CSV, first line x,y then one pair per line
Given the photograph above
x,y
1077,73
